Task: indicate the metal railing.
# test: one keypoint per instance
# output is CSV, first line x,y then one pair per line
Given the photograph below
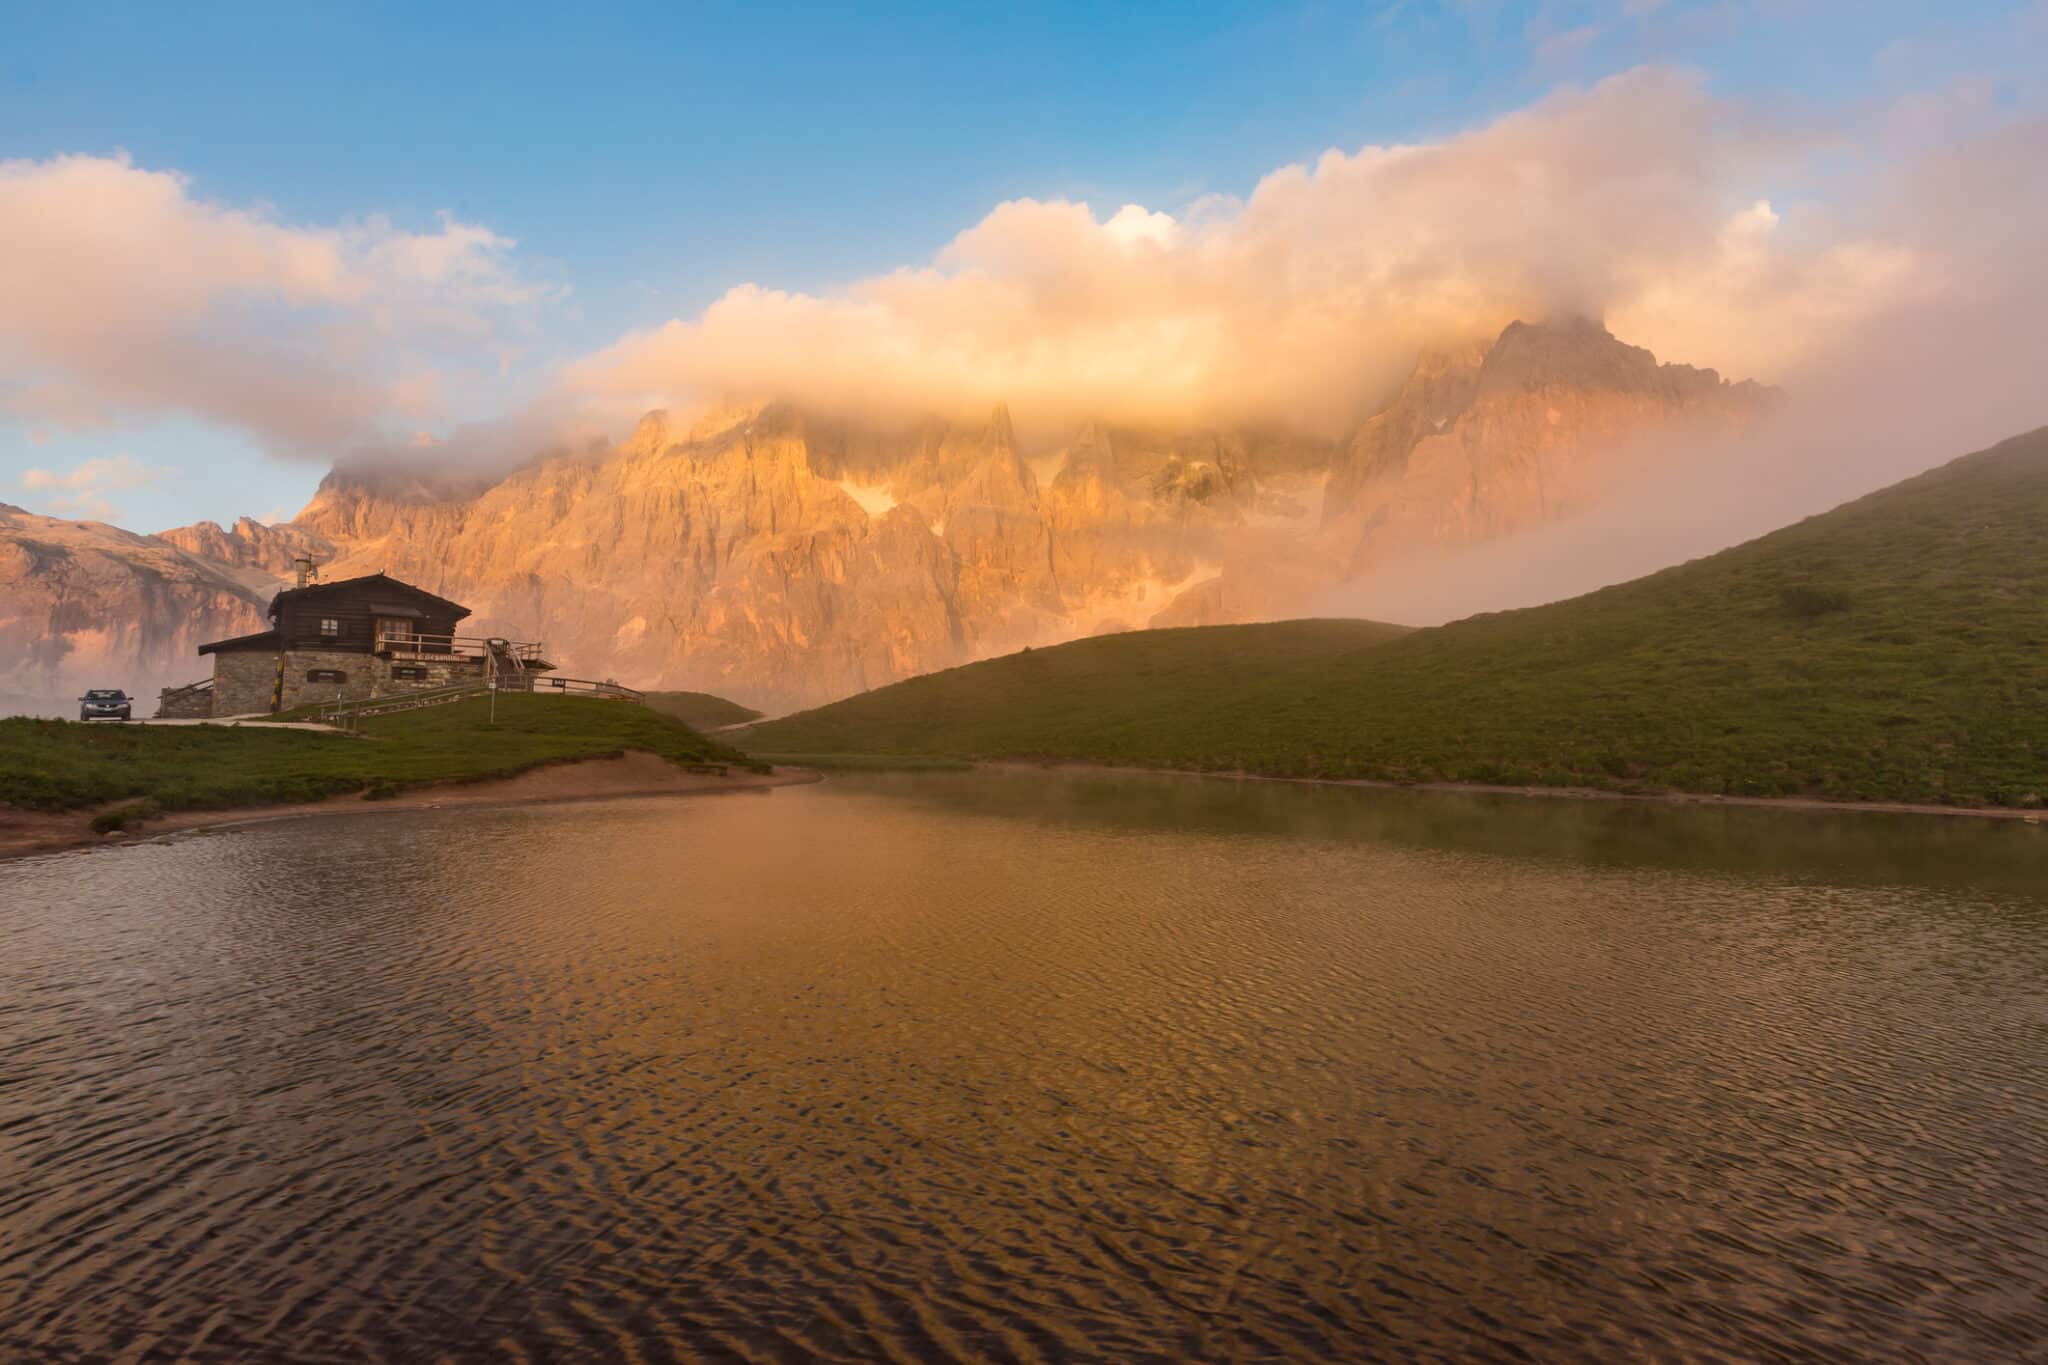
x,y
398,701
586,687
343,712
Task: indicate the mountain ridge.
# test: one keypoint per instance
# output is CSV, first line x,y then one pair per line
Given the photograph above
x,y
788,557
85,604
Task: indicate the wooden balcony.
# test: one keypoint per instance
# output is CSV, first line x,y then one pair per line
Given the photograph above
x,y
527,655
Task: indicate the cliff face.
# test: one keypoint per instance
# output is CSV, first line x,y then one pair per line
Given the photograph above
x,y
266,552
1483,443
84,604
1483,440
784,559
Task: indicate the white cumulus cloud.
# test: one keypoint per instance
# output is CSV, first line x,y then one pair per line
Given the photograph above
x,y
125,295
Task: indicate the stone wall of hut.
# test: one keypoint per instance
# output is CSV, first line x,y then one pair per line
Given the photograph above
x,y
242,680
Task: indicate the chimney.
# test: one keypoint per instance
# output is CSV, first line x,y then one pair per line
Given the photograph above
x,y
306,572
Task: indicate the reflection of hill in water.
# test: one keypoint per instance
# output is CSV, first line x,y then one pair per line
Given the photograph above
x,y
1854,847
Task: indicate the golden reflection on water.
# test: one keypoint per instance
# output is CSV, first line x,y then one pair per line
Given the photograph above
x,y
1018,1067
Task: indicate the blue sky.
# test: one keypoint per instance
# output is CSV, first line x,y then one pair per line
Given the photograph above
x,y
645,159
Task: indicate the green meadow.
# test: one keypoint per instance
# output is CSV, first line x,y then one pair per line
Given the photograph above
x,y
67,765
1895,648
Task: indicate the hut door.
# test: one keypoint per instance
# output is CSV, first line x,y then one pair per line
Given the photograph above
x,y
394,634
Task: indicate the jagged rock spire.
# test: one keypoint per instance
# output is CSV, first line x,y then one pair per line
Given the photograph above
x,y
1000,434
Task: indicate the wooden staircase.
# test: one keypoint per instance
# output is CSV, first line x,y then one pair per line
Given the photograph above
x,y
503,663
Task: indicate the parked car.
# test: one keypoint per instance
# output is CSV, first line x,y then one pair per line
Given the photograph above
x,y
103,703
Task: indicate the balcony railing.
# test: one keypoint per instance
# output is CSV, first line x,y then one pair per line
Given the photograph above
x,y
412,645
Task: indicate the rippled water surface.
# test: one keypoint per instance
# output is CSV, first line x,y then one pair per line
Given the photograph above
x,y
1024,1067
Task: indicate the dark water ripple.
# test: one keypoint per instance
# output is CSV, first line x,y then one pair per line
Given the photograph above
x,y
1004,1068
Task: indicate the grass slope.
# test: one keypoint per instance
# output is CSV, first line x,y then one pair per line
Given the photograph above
x,y
701,710
65,765
1074,699
1895,648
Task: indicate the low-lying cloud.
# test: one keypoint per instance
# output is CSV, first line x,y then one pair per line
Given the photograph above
x,y
125,296
1643,199
1814,250
1953,364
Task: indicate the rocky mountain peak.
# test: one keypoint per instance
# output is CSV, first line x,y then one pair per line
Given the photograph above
x,y
84,604
268,551
786,557
1488,440
1580,353
1000,435
1571,352
651,432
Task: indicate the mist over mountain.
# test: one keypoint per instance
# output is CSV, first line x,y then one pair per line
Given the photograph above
x,y
786,557
84,604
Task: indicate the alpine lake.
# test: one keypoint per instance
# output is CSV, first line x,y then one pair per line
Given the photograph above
x,y
1020,1066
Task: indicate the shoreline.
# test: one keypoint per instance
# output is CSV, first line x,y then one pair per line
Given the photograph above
x,y
26,833
1665,798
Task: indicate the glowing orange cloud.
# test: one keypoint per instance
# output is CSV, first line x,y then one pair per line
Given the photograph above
x,y
1633,200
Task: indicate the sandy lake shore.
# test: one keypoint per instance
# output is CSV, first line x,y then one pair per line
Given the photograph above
x,y
25,832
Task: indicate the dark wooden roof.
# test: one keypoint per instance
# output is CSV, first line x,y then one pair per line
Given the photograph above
x,y
377,582
262,639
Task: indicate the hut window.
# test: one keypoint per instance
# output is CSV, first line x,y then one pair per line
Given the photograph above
x,y
405,672
326,675
329,626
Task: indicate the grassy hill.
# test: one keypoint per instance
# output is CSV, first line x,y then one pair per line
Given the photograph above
x,y
701,710
1074,700
65,765
1895,648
